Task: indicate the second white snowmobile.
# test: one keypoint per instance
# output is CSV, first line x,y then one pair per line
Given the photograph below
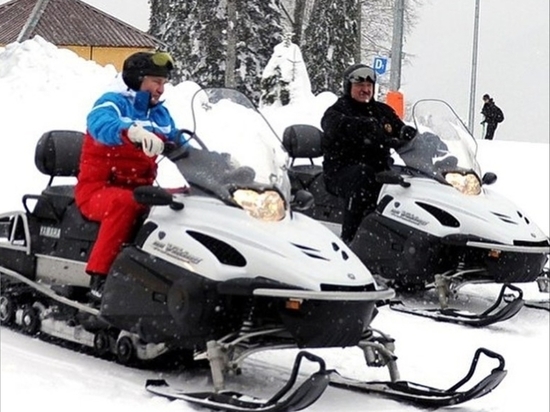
x,y
220,268
437,224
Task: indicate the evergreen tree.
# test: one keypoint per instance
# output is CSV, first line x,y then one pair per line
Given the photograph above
x,y
329,43
172,22
196,34
207,61
259,29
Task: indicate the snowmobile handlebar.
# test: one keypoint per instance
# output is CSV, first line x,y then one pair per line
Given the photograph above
x,y
175,151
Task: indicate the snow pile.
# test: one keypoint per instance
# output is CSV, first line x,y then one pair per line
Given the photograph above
x,y
36,68
43,88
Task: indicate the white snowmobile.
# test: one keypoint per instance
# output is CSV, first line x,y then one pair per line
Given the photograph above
x,y
437,224
220,269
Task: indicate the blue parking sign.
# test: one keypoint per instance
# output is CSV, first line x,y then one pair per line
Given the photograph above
x,y
380,64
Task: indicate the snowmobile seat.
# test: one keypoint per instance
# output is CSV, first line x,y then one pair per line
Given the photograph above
x,y
57,154
303,141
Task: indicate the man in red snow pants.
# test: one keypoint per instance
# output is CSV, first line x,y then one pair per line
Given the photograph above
x,y
125,133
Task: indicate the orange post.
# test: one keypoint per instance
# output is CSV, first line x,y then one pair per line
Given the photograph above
x,y
395,100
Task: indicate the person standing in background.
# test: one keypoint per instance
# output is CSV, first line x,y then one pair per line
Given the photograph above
x,y
493,116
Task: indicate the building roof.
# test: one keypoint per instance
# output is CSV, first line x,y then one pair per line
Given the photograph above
x,y
68,23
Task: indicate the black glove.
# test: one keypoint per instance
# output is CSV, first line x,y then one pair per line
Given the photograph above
x,y
373,130
395,143
407,133
483,122
371,125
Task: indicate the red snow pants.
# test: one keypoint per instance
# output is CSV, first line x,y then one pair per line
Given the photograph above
x,y
117,212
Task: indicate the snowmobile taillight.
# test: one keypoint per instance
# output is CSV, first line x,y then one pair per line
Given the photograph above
x,y
467,184
293,304
268,205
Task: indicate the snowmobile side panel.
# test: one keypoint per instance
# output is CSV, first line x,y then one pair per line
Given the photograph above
x,y
162,302
412,256
395,251
15,244
72,238
327,207
327,323
18,261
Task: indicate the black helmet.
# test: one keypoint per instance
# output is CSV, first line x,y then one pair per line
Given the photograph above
x,y
145,64
357,73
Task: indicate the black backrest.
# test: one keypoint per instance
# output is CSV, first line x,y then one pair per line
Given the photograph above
x,y
303,141
58,152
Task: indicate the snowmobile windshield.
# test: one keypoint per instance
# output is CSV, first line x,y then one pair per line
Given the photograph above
x,y
443,143
232,147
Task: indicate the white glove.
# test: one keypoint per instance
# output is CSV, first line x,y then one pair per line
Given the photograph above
x,y
151,144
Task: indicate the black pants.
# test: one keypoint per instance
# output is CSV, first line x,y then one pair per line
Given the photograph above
x,y
490,133
357,185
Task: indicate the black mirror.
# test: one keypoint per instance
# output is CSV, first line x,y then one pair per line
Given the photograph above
x,y
174,152
154,196
303,200
391,178
489,178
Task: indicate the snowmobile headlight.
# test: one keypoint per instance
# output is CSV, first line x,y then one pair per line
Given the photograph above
x,y
268,205
467,184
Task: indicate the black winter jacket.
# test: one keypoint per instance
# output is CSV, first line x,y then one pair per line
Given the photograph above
x,y
358,133
492,112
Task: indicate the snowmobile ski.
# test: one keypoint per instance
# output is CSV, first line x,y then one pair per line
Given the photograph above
x,y
426,396
505,307
537,304
284,400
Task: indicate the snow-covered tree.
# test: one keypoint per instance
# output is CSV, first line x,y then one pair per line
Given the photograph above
x,y
329,44
173,22
373,21
206,40
259,29
198,38
285,79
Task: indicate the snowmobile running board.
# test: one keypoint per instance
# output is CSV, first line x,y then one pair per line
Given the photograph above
x,y
47,291
512,305
426,396
312,389
284,400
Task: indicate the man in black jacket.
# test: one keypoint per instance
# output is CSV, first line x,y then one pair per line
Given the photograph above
x,y
493,116
358,135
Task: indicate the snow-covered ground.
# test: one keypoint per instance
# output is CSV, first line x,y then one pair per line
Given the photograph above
x,y
44,88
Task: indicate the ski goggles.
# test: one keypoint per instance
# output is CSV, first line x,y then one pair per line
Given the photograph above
x,y
362,75
163,59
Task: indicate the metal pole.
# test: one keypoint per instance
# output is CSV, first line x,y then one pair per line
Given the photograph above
x,y
471,114
397,45
32,21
